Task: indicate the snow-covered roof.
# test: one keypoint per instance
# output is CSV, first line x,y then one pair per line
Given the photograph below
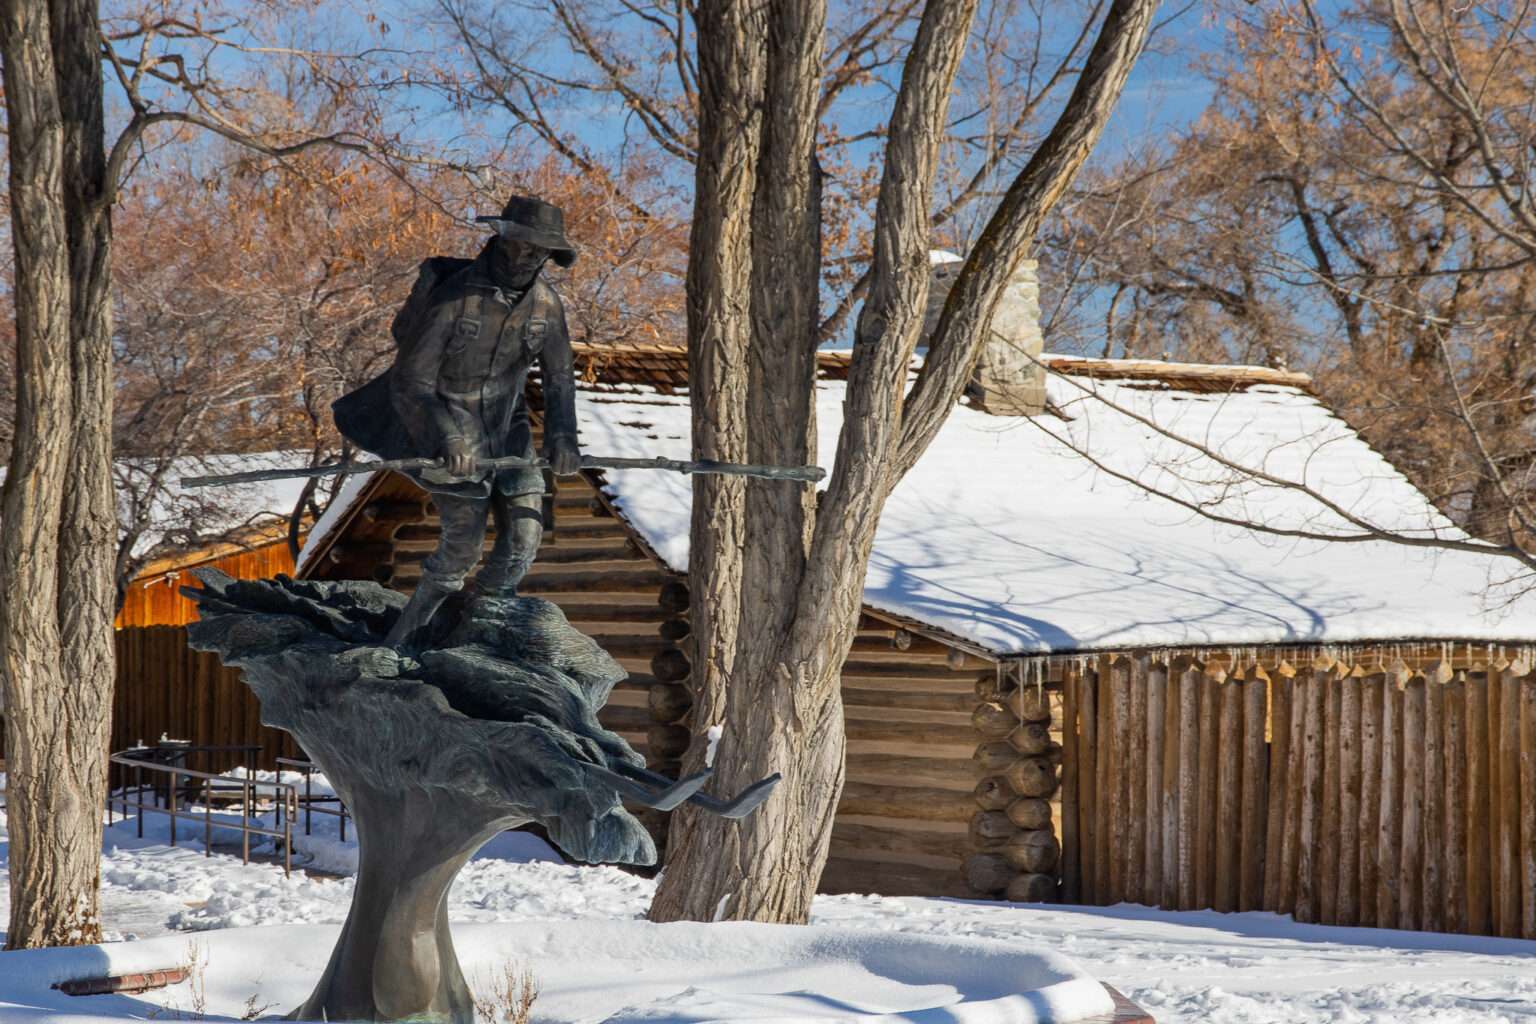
x,y
335,515
1039,535
1029,535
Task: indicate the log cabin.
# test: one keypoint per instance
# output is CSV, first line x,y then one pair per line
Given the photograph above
x,y
1101,659
1098,660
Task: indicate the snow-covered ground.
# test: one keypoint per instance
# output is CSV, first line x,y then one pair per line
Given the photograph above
x,y
265,936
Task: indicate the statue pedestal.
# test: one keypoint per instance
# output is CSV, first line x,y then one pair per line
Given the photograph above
x,y
493,726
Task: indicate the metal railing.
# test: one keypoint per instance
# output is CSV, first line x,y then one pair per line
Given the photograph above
x,y
315,804
168,791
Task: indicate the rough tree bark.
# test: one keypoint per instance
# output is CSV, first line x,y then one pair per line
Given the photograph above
x,y
57,523
777,583
57,510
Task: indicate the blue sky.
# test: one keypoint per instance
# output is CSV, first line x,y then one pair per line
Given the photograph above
x,y
1164,93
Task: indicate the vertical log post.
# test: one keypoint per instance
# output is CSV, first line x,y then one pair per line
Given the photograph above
x,y
1478,803
1280,689
1308,905
1120,762
1410,865
1255,787
1089,794
1191,682
1229,793
1156,676
1390,827
1347,896
1071,764
1210,746
1170,788
1432,888
1508,811
1455,790
1295,785
1328,836
1104,841
1527,709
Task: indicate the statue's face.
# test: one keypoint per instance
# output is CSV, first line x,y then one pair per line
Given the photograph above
x,y
521,259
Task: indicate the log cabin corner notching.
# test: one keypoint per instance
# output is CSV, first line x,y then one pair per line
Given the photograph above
x,y
1068,686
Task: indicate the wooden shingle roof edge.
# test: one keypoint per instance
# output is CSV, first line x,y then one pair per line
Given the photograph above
x,y
247,539
666,367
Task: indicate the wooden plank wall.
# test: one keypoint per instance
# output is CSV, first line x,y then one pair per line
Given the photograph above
x,y
166,688
1377,796
155,599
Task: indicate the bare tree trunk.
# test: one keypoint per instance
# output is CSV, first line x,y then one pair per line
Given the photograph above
x,y
800,594
55,718
778,589
87,600
759,872
719,332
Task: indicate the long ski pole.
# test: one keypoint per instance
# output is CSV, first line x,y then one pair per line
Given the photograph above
x,y
804,474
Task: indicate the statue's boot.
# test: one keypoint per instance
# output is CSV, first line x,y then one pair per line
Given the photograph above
x,y
413,621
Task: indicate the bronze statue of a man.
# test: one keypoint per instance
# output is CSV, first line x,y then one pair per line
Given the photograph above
x,y
467,337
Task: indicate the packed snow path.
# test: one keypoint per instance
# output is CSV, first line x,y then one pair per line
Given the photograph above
x,y
1181,967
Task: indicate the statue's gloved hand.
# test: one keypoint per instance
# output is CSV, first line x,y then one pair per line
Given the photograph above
x,y
459,457
563,455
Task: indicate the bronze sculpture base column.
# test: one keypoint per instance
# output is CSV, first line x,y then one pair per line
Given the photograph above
x,y
493,727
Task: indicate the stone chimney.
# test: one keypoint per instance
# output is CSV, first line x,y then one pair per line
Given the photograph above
x,y
1006,381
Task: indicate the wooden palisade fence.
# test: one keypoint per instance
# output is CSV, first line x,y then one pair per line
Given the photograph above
x,y
1381,796
165,687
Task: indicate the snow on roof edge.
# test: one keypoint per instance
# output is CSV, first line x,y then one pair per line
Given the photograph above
x,y
337,514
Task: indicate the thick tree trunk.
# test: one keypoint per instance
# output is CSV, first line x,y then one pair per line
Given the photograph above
x,y
88,527
731,61
55,718
758,869
87,600
777,590
799,592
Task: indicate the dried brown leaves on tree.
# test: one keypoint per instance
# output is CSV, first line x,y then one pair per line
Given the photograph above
x,y
258,293
1356,202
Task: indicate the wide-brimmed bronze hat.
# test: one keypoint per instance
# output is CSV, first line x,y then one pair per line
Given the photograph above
x,y
535,221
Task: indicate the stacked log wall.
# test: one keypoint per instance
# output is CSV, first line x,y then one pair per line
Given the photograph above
x,y
1014,828
1383,795
905,823
607,587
